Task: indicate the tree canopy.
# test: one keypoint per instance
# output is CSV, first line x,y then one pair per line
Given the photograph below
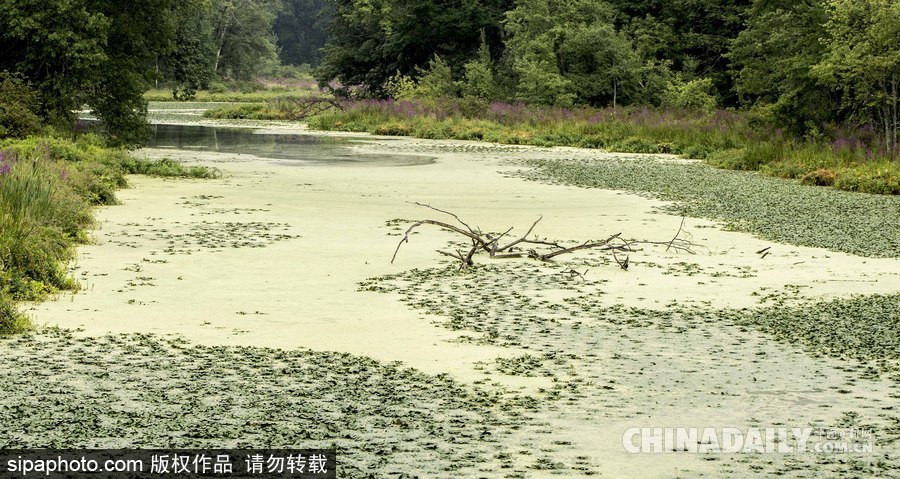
x,y
90,52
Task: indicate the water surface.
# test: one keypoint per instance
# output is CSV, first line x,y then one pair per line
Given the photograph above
x,y
295,148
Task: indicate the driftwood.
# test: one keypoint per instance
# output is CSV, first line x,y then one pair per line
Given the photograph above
x,y
301,108
534,248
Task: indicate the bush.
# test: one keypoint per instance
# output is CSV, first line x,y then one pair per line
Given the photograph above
x,y
698,94
400,87
881,177
235,112
217,87
479,81
436,81
18,107
820,177
11,320
167,167
47,187
41,216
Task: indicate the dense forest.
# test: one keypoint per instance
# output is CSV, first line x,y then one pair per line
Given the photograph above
x,y
813,68
799,64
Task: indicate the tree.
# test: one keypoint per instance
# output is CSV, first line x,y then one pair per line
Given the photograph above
x,y
370,41
57,46
696,36
696,94
190,64
436,81
478,78
772,62
300,31
91,52
567,51
18,107
862,60
242,31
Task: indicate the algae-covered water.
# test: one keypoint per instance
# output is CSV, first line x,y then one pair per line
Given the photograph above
x,y
262,310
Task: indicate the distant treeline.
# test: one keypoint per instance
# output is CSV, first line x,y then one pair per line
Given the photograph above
x,y
801,65
808,66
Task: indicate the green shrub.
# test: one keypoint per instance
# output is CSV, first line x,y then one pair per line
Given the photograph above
x,y
167,167
882,177
217,87
436,81
41,216
18,107
235,112
697,94
478,80
820,177
723,139
11,320
47,187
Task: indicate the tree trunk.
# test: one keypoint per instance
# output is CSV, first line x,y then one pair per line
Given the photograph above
x,y
615,91
894,118
221,44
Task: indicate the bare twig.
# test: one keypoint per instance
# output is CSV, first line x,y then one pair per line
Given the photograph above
x,y
677,234
551,249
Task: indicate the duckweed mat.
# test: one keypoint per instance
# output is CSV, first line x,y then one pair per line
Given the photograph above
x,y
146,391
501,302
771,208
609,363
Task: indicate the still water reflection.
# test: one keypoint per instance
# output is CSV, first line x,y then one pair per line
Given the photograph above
x,y
296,149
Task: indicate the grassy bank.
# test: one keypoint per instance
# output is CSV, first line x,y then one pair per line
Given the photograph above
x,y
846,160
249,92
48,187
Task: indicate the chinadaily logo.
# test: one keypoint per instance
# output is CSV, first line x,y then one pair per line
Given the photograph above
x,y
731,440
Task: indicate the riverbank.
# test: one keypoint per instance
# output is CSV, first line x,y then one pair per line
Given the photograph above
x,y
48,187
280,261
845,159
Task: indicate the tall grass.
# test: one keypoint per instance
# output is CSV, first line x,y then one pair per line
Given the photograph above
x,y
846,159
48,186
263,92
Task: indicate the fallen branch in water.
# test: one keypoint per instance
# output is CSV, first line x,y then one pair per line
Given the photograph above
x,y
541,249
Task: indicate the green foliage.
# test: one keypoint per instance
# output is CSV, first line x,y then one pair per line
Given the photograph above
x,y
245,111
540,80
696,94
772,61
478,79
566,52
47,188
18,107
436,81
169,168
11,320
236,92
41,214
300,31
723,139
862,60
693,36
190,63
371,41
400,87
243,38
90,52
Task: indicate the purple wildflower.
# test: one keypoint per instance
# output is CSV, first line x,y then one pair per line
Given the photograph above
x,y
8,158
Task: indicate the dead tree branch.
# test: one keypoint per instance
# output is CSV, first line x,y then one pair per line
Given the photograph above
x,y
490,244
